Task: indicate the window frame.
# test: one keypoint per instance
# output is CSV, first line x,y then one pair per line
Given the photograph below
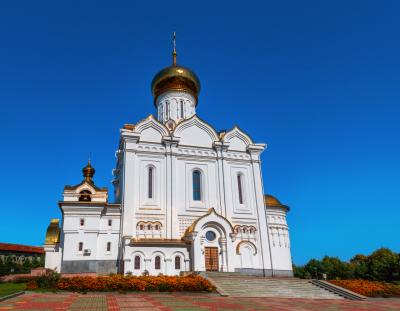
x,y
137,262
178,262
197,192
157,262
182,105
108,247
80,247
150,182
239,181
167,111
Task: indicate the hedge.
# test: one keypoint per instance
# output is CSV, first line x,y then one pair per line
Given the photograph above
x,y
118,282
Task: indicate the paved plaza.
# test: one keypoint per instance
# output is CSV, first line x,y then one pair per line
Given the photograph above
x,y
182,302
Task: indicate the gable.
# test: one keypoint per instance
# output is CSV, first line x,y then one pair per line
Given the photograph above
x,y
151,135
195,132
151,130
237,144
237,139
195,136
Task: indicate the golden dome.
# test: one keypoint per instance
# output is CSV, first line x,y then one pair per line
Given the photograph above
x,y
53,232
270,200
175,78
88,171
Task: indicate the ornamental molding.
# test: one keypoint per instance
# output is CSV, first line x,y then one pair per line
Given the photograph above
x,y
242,243
195,152
196,121
151,122
236,156
236,132
150,148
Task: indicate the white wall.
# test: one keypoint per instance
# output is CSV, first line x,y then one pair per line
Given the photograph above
x,y
94,234
175,106
279,237
147,259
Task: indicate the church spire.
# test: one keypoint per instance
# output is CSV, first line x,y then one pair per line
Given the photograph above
x,y
88,172
174,51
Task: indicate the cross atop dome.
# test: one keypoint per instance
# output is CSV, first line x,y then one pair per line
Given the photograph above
x,y
174,51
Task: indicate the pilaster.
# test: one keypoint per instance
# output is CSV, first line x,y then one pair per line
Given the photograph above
x,y
171,216
220,148
255,151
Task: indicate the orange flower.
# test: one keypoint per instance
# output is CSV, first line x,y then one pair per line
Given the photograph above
x,y
369,288
134,283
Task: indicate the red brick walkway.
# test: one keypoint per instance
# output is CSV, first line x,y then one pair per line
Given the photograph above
x,y
183,302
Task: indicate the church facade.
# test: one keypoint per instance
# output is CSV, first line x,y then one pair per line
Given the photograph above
x,y
187,198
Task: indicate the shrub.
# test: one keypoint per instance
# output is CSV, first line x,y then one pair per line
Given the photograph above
x,y
135,283
46,281
369,288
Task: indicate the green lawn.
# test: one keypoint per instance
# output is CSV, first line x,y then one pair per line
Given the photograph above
x,y
9,288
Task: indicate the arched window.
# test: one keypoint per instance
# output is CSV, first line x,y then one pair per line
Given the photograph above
x,y
137,262
108,246
240,188
141,227
157,263
177,263
80,246
85,196
148,227
150,183
196,186
157,227
182,108
167,110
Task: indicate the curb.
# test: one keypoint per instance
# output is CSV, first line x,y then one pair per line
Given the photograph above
x,y
11,296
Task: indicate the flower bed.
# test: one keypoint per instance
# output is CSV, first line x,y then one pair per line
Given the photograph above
x,y
369,288
132,283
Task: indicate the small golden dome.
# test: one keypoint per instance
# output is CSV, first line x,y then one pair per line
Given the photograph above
x,y
270,200
88,172
53,232
175,78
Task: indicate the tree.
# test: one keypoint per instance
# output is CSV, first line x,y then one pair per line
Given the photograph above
x,y
335,268
360,266
314,268
383,265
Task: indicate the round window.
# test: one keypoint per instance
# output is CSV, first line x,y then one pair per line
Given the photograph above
x,y
210,236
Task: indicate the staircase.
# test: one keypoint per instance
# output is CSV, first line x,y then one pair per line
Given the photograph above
x,y
237,284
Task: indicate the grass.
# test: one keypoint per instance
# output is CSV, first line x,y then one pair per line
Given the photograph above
x,y
10,288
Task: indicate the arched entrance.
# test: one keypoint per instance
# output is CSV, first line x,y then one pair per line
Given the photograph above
x,y
212,248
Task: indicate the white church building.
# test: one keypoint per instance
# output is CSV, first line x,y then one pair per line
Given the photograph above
x,y
187,198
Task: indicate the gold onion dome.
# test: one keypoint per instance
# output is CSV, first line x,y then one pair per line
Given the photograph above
x,y
270,200
175,78
88,171
53,232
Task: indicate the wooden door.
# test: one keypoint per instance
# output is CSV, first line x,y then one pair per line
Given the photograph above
x,y
211,257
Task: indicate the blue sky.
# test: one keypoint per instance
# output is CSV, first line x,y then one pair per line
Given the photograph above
x,y
317,81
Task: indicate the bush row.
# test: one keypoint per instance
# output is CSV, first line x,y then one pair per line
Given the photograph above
x,y
369,288
117,282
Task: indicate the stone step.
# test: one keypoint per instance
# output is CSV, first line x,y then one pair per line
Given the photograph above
x,y
237,284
